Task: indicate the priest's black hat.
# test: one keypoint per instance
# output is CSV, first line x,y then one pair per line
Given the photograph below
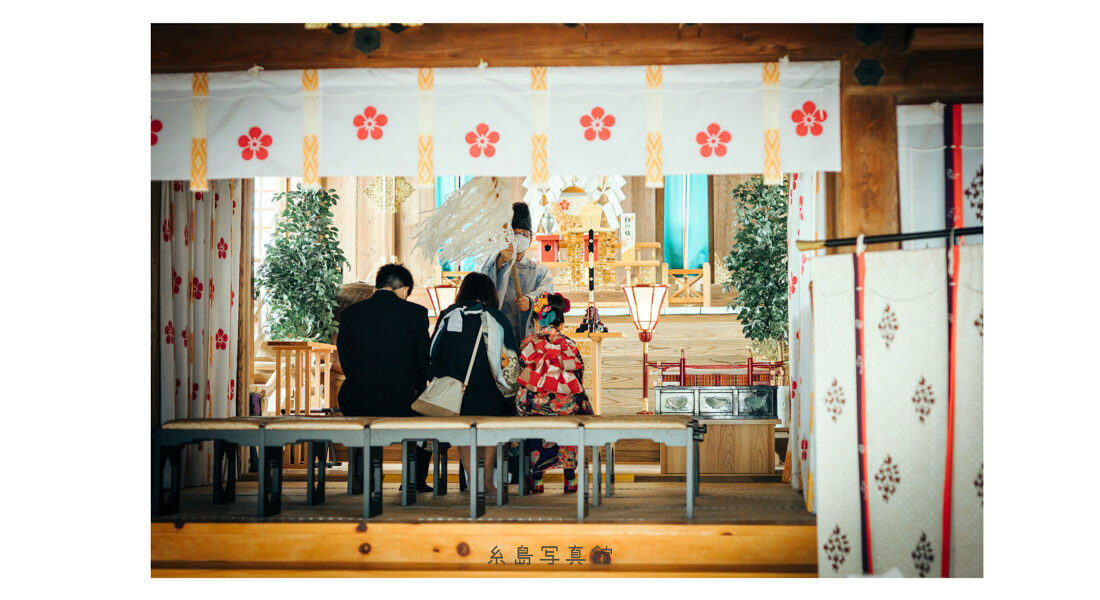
x,y
521,216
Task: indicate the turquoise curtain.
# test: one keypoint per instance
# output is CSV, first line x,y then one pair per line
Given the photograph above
x,y
445,186
687,222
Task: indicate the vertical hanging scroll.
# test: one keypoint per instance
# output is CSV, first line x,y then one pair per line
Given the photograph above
x,y
425,170
539,122
311,124
654,170
200,93
772,173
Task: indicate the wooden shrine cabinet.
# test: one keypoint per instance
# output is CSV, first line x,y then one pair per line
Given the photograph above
x,y
730,447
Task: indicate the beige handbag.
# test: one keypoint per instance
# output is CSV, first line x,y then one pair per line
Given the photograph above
x,y
443,396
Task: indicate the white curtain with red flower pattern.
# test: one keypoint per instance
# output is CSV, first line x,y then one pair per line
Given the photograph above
x,y
509,121
805,221
199,283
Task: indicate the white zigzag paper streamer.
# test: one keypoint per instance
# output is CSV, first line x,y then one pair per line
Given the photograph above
x,y
473,221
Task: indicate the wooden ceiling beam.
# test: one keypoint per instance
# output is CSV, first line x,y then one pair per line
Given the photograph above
x,y
968,37
947,75
180,48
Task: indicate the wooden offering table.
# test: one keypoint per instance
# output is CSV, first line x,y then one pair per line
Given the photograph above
x,y
730,447
589,344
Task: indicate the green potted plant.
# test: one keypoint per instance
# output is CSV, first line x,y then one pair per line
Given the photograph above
x,y
303,268
757,263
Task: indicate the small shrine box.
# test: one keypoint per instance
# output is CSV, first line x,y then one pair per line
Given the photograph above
x,y
714,402
548,247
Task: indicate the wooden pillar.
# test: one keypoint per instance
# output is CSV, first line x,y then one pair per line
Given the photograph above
x,y
416,208
867,199
375,234
246,350
344,218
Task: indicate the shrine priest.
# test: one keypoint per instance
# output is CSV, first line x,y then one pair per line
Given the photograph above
x,y
509,266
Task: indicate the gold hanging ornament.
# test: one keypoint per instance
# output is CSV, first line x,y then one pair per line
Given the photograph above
x,y
388,193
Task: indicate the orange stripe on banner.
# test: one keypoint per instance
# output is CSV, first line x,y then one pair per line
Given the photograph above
x,y
424,167
771,73
309,166
772,174
538,78
653,76
310,82
425,79
654,168
200,84
945,565
538,158
198,165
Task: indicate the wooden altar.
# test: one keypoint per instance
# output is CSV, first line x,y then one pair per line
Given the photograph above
x,y
590,345
730,447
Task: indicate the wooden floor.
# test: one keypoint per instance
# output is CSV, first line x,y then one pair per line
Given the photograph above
x,y
740,530
653,502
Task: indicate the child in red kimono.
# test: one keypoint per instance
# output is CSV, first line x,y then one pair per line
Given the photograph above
x,y
550,384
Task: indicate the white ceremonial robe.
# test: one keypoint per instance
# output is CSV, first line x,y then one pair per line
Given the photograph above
x,y
534,279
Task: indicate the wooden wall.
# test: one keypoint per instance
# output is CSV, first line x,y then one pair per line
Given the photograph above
x,y
371,237
707,339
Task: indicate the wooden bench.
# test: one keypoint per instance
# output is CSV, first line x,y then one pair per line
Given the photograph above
x,y
317,433
270,434
671,430
227,435
562,430
457,431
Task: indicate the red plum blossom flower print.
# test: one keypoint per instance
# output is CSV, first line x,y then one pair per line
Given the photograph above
x,y
713,140
481,141
597,124
369,124
809,119
254,144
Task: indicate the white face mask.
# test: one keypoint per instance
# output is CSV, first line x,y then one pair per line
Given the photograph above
x,y
522,243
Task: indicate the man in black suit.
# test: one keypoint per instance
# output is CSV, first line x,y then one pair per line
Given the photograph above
x,y
383,346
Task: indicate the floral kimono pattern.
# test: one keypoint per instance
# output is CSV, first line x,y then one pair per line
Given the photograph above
x,y
550,384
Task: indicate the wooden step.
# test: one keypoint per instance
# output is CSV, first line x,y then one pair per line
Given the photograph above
x,y
466,549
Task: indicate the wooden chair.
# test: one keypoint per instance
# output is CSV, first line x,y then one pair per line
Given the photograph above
x,y
641,262
310,365
681,283
455,277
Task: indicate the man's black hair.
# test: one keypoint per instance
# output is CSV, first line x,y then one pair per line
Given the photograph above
x,y
393,276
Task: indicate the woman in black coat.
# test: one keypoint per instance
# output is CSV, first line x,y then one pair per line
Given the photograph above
x,y
492,386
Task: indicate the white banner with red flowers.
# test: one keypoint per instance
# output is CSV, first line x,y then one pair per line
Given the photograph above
x,y
199,282
805,221
640,120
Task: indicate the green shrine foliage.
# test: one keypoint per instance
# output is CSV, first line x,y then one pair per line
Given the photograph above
x,y
758,261
302,269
